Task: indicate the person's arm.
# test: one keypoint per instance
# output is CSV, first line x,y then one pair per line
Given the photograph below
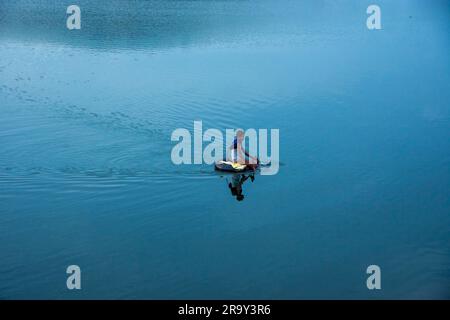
x,y
241,154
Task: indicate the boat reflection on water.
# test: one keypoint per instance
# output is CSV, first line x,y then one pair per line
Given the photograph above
x,y
236,182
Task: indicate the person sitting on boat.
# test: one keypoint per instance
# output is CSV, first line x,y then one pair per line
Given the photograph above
x,y
238,152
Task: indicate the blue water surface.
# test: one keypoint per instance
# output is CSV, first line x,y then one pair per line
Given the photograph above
x,y
86,177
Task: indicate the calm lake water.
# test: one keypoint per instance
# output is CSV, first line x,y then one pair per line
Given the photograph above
x,y
86,176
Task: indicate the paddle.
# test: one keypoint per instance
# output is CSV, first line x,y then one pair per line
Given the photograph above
x,y
265,164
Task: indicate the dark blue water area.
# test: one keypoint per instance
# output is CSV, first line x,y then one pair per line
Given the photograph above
x,y
86,176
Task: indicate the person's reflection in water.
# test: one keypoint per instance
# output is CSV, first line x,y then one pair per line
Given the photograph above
x,y
236,184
